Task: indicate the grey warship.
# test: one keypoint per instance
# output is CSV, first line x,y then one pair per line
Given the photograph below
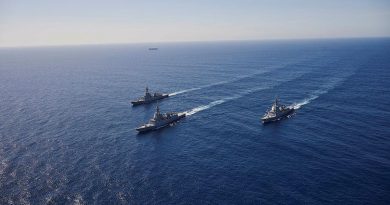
x,y
149,98
276,112
160,120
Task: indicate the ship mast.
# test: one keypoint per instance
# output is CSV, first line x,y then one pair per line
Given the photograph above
x,y
275,105
157,114
147,94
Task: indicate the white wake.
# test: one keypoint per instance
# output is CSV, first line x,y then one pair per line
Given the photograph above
x,y
184,91
223,100
325,89
198,88
316,94
204,107
308,99
217,83
228,81
333,83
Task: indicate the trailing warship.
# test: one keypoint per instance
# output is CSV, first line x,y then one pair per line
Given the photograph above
x,y
149,98
160,120
276,112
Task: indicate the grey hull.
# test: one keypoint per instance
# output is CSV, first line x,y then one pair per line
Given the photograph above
x,y
143,129
142,102
276,118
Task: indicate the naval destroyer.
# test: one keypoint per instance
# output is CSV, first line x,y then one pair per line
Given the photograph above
x,y
149,98
276,112
160,120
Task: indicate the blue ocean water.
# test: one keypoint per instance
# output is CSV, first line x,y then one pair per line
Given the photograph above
x,y
67,129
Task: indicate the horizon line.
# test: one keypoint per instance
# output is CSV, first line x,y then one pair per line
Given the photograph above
x,y
192,41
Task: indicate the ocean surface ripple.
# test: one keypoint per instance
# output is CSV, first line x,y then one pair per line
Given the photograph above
x,y
67,128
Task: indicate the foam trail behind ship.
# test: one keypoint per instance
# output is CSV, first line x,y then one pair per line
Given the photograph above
x,y
217,83
225,81
296,106
325,89
200,87
204,107
184,91
239,95
232,80
218,102
305,101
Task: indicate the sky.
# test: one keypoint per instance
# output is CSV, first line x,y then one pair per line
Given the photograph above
x,y
69,22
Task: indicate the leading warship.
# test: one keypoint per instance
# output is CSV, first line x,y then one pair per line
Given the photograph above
x,y
276,112
160,120
149,98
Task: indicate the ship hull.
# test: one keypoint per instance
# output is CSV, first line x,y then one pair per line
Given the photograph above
x,y
144,128
142,102
277,118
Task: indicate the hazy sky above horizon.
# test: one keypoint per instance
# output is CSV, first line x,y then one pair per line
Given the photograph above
x,y
55,22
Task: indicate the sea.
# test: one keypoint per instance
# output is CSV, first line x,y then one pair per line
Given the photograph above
x,y
67,127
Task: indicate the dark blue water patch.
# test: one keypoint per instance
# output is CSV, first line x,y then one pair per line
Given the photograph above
x,y
67,127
